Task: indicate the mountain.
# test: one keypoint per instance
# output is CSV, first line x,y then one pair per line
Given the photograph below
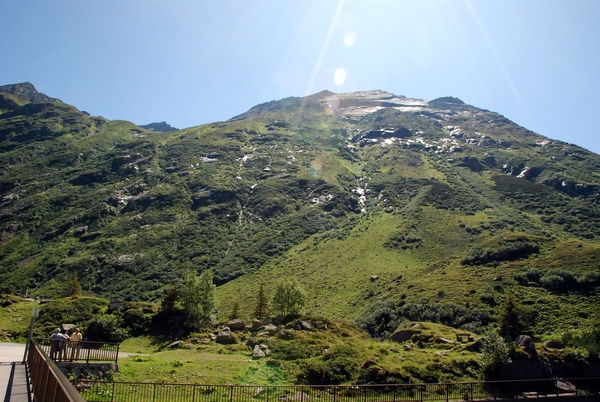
x,y
369,200
162,127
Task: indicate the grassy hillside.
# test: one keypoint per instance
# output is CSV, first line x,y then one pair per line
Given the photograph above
x,y
366,201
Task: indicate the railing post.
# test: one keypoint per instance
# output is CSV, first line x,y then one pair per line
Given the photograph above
x,y
117,356
230,393
87,359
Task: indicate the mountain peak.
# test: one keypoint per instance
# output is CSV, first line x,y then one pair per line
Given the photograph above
x,y
27,91
162,127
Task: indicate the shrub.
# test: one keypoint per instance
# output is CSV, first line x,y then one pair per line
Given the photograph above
x,y
338,365
106,328
380,319
494,354
505,252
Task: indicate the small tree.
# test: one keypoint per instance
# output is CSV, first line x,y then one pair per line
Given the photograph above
x,y
235,311
73,287
197,294
512,318
289,299
494,354
261,310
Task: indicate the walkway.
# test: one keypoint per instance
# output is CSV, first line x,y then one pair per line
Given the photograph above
x,y
11,354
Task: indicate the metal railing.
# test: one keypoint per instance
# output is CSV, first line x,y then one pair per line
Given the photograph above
x,y
104,391
84,351
49,384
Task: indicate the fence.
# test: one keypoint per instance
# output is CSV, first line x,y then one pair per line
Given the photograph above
x,y
48,383
98,391
79,351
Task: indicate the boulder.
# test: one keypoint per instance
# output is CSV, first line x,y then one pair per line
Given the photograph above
x,y
270,329
303,325
404,335
257,353
552,344
192,340
175,344
256,324
225,337
443,340
527,343
236,325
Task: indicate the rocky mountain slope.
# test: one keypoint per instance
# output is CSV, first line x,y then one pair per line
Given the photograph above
x,y
365,198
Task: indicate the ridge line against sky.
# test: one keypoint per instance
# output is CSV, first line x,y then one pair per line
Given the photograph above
x,y
193,62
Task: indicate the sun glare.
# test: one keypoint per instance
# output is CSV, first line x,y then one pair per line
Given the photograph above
x,y
339,76
350,38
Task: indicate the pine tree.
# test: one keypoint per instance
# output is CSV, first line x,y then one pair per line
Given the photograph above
x,y
235,311
261,310
512,319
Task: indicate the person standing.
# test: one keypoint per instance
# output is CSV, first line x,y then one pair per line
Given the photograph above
x,y
62,345
76,338
55,339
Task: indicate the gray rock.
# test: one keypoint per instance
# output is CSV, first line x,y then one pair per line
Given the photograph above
x,y
270,329
303,325
443,340
526,342
175,344
256,324
236,325
258,352
225,337
192,340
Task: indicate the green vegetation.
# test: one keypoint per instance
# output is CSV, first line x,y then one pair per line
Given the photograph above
x,y
434,215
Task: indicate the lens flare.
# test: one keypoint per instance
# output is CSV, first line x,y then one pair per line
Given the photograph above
x,y
339,76
349,38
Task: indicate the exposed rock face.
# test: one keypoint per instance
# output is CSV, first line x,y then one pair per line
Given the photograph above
x,y
27,91
161,127
527,343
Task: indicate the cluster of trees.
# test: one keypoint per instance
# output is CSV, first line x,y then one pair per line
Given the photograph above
x,y
196,296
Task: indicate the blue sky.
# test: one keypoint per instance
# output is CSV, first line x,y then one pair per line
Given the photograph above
x,y
194,61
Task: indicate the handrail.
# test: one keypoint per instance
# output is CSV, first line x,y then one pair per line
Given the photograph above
x,y
69,351
48,382
109,391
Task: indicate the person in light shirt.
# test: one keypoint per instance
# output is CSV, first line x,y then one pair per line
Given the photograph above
x,y
76,338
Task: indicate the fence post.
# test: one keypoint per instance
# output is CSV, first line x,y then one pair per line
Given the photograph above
x,y
230,393
117,356
447,392
154,393
471,391
87,359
